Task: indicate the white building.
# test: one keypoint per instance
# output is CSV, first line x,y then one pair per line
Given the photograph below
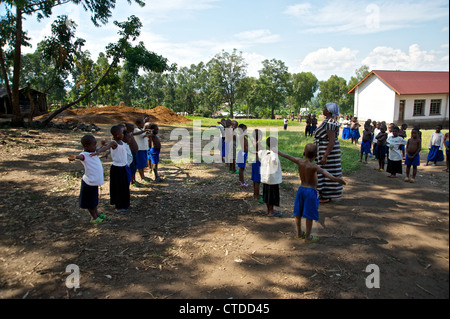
x,y
403,97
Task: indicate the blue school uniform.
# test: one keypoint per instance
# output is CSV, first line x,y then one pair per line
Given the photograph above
x,y
306,203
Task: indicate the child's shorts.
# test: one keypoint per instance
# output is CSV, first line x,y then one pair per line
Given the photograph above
x,y
141,159
88,196
365,147
154,155
256,172
241,159
306,203
414,162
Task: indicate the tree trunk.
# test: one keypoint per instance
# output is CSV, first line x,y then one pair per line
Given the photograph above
x,y
65,107
17,119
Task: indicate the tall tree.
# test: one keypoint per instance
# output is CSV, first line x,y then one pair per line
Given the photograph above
x,y
274,84
12,36
136,56
304,86
227,72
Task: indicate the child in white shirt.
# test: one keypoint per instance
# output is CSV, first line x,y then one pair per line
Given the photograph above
x,y
92,178
271,176
395,155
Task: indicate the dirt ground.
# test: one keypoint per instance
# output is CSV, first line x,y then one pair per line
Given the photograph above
x,y
199,235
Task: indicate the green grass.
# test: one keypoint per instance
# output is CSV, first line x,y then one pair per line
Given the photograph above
x,y
206,122
294,142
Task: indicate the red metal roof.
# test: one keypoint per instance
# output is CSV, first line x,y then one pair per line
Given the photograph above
x,y
412,82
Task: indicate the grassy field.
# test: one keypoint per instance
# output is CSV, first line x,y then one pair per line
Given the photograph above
x,y
294,141
206,122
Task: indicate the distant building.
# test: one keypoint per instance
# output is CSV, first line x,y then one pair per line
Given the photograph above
x,y
412,97
39,98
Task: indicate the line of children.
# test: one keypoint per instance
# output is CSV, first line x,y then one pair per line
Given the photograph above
x,y
126,160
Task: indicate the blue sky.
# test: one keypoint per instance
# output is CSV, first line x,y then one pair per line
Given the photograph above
x,y
322,37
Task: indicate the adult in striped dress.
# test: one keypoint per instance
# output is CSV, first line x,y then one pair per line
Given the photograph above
x,y
329,157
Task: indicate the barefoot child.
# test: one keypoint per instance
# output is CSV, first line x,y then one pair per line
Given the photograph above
x,y
366,142
155,150
92,178
381,147
413,148
307,198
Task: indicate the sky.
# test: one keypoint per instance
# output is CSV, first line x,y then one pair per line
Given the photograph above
x,y
323,37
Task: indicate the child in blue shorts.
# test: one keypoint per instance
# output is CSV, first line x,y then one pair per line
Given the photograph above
x,y
242,154
307,199
155,150
256,165
413,148
366,142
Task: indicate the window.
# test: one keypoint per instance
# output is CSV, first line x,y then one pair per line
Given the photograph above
x,y
419,107
435,107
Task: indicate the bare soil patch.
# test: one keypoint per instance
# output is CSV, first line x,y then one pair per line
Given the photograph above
x,y
199,235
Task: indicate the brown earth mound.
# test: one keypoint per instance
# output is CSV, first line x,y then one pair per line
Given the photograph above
x,y
119,114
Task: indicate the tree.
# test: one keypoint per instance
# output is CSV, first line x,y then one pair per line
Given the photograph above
x,y
12,36
304,86
274,84
227,72
136,57
334,90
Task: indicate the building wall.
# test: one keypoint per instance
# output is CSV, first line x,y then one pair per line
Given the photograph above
x,y
374,100
426,121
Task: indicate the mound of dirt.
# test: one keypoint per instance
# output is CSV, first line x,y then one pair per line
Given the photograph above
x,y
119,114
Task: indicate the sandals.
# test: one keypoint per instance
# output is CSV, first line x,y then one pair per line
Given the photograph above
x,y
276,214
312,239
97,221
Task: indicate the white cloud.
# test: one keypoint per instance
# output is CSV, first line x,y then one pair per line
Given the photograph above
x,y
387,58
364,17
327,61
254,61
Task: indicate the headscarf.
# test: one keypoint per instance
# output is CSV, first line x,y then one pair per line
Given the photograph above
x,y
333,108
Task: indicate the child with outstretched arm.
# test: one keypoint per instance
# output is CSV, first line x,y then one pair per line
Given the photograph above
x,y
92,178
307,199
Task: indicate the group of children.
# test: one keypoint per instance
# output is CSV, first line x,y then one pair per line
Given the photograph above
x,y
266,170
132,149
380,142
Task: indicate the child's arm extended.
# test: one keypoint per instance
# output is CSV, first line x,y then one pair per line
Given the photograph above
x,y
290,157
75,157
112,144
325,173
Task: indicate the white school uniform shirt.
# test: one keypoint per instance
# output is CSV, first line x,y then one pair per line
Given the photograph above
x,y
376,131
346,123
93,170
222,130
129,154
395,154
437,139
141,140
270,167
119,155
